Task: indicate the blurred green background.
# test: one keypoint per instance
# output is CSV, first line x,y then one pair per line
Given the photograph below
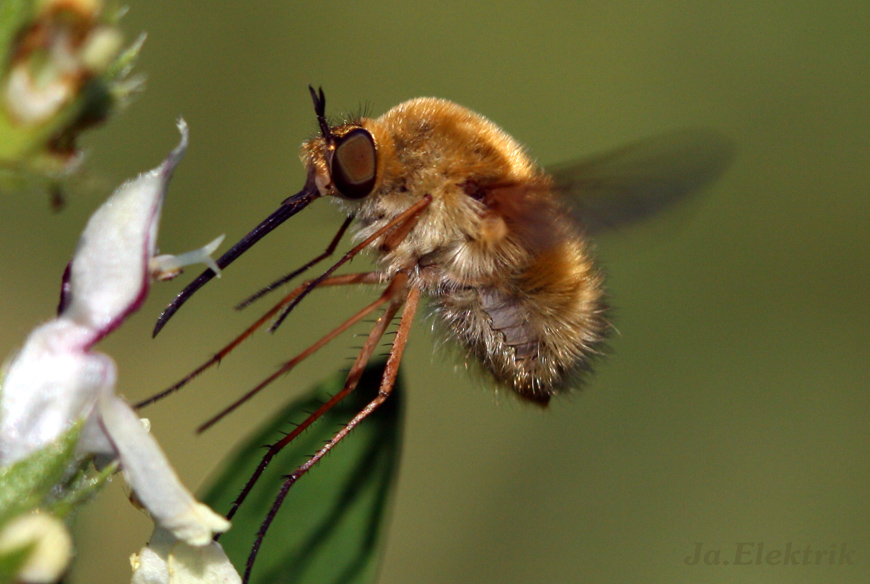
x,y
734,408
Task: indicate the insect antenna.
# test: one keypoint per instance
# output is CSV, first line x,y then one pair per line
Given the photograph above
x,y
320,109
387,383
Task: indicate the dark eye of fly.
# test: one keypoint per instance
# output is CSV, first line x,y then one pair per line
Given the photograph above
x,y
354,164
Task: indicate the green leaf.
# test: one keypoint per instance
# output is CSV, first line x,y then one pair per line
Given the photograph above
x,y
330,528
27,483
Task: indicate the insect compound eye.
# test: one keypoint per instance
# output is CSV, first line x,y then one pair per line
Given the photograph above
x,y
354,164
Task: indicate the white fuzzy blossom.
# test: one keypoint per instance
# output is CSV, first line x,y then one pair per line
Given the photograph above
x,y
57,379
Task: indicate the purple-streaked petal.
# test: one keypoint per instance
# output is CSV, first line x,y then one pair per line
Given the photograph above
x,y
109,274
57,380
49,386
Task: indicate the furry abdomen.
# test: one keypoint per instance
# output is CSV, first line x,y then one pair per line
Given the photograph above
x,y
535,332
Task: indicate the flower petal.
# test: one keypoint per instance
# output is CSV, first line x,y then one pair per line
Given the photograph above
x,y
153,479
207,565
57,380
167,560
49,386
109,273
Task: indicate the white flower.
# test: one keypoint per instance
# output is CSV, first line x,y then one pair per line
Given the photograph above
x,y
57,379
168,561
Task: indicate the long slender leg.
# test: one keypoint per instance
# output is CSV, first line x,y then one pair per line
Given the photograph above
x,y
343,280
397,284
350,384
402,223
387,383
330,249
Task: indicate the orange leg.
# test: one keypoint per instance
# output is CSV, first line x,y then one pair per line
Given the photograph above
x,y
350,384
398,283
344,280
330,249
395,230
386,388
401,223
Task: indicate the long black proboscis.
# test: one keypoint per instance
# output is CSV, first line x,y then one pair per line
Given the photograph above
x,y
288,208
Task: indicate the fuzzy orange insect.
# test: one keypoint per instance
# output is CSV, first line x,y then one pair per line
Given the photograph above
x,y
454,209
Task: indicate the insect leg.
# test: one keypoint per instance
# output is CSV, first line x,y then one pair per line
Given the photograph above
x,y
402,222
288,208
330,249
397,284
353,378
343,280
387,382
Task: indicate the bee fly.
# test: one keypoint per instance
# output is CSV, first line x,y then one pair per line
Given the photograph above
x,y
454,209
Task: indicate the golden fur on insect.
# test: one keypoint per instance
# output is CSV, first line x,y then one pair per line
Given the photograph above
x,y
506,270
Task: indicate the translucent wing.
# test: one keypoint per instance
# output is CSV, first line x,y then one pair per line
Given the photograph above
x,y
631,183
